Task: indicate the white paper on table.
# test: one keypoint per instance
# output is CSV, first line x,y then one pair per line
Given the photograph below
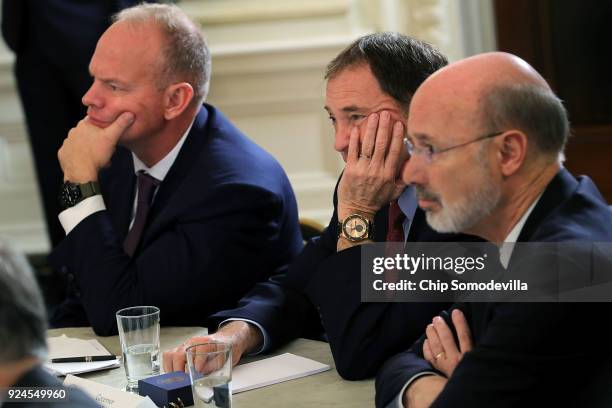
x,y
63,346
62,369
273,370
109,397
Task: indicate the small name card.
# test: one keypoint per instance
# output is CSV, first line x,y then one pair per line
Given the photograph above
x,y
109,397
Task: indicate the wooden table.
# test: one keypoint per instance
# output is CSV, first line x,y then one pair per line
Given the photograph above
x,y
321,390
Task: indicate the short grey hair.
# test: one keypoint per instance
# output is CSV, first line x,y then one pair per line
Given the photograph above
x,y
186,54
535,110
23,319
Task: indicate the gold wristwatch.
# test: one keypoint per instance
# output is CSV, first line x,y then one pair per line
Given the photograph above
x,y
355,228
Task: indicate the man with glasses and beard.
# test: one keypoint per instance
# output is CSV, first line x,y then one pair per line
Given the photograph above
x,y
486,139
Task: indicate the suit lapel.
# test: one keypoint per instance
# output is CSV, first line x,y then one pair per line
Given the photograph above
x,y
560,188
186,158
558,191
120,190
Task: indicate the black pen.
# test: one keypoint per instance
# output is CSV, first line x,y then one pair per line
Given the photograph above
x,y
86,359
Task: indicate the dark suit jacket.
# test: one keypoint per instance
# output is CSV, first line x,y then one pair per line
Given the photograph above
x,y
527,354
224,218
323,287
53,41
38,377
65,31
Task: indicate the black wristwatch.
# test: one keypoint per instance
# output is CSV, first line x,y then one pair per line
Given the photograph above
x,y
355,228
72,193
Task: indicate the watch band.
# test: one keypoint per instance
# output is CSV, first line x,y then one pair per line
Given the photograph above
x,y
89,189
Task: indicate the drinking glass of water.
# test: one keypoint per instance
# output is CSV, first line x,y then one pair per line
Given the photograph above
x,y
210,369
139,336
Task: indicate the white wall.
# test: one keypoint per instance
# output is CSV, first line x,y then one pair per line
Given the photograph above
x,y
268,62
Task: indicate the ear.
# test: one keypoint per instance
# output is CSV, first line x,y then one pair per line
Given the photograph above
x,y
177,98
512,151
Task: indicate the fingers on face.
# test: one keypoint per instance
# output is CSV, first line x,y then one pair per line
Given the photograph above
x,y
353,149
369,137
395,149
119,126
463,330
382,142
84,120
382,138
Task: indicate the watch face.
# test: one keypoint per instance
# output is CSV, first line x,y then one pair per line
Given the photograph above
x,y
355,227
70,195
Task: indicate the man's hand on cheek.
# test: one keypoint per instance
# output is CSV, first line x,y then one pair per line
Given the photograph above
x,y
400,186
89,148
370,175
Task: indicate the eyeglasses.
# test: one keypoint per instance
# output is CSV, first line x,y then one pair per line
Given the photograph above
x,y
430,151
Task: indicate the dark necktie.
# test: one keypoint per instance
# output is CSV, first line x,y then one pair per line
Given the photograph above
x,y
395,233
146,190
395,228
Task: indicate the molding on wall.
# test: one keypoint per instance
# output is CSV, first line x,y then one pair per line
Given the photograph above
x,y
268,63
223,12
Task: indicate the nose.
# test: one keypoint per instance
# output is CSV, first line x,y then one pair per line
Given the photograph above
x,y
413,171
92,98
341,138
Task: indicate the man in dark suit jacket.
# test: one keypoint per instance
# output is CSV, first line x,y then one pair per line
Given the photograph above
x,y
190,214
53,41
322,284
23,347
512,189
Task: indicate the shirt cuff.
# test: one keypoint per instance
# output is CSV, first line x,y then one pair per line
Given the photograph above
x,y
71,217
264,334
398,402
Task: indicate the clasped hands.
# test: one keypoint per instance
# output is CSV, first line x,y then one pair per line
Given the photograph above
x,y
89,148
370,178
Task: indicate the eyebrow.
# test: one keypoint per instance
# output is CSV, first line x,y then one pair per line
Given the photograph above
x,y
107,80
347,109
421,137
352,108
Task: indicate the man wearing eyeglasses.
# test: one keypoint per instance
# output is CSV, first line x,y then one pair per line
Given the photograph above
x,y
370,85
486,139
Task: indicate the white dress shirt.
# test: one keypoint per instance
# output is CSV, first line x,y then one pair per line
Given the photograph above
x,y
71,217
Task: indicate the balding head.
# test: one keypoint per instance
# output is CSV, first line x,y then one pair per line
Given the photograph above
x,y
185,53
488,70
486,134
498,91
